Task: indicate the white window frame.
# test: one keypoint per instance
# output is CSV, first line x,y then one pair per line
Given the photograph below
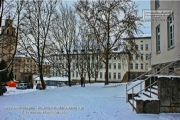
x,y
136,67
142,47
114,75
119,65
158,38
147,47
119,75
170,25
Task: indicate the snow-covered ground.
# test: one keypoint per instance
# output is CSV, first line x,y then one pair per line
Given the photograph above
x,y
94,102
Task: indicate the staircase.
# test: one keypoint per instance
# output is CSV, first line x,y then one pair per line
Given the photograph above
x,y
142,94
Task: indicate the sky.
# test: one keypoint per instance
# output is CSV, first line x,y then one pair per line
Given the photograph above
x,y
93,102
142,4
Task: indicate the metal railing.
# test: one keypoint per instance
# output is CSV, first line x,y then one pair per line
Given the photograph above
x,y
143,81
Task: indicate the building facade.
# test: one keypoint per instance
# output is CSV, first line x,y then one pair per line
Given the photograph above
x,y
165,35
7,40
118,64
24,68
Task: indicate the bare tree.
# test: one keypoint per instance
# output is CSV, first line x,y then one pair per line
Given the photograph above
x,y
35,32
110,21
9,41
64,32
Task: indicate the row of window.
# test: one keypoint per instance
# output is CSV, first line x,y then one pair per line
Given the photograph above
x,y
137,66
115,65
142,47
170,34
115,75
137,56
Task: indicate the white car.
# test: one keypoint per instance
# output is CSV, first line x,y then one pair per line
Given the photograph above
x,y
21,86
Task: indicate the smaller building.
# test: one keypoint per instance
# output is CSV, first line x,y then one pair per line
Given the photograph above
x,y
52,81
24,67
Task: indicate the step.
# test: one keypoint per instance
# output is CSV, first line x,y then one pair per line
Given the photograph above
x,y
153,96
155,87
155,92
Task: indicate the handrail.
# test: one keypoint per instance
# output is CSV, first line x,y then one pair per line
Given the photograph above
x,y
146,88
143,74
140,92
153,74
139,76
146,80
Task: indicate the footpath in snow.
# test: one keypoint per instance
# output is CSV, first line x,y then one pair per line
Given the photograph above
x,y
94,102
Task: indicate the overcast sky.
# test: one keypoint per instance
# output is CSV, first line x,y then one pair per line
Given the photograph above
x,y
142,4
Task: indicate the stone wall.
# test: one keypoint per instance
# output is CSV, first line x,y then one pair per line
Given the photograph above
x,y
148,106
169,94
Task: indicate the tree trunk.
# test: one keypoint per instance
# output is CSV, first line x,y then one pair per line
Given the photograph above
x,y
129,62
41,78
69,74
107,70
89,78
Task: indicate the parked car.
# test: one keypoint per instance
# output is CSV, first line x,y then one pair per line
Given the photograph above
x,y
39,86
21,86
30,86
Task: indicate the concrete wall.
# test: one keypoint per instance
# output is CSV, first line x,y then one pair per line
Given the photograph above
x,y
148,106
169,94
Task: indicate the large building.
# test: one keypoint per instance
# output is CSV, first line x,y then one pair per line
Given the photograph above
x,y
23,67
7,40
161,91
119,67
165,29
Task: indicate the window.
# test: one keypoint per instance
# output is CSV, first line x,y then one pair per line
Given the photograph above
x,y
157,4
137,56
101,66
147,56
147,47
114,75
170,25
73,74
141,47
136,47
131,57
100,74
146,66
141,56
131,65
109,65
136,66
114,65
119,65
158,38
109,75
119,75
142,66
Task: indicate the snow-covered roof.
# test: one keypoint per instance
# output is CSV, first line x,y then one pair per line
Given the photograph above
x,y
52,78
